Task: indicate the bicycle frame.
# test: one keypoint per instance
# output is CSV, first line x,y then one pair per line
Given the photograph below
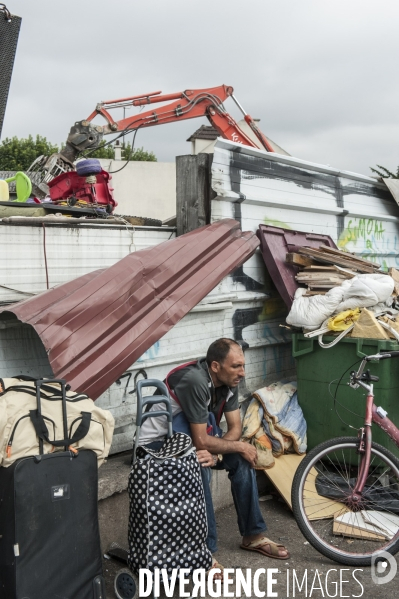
x,y
373,414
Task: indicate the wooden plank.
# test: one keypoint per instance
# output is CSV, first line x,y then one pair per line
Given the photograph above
x,y
395,275
282,474
318,507
319,268
322,257
347,530
315,276
322,286
348,255
348,274
298,260
193,192
322,279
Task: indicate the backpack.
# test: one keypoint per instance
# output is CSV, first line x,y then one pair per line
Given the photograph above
x,y
26,430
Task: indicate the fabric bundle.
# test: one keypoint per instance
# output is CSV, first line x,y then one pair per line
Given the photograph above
x,y
363,291
274,423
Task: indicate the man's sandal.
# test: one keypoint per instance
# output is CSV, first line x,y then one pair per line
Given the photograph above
x,y
216,565
259,547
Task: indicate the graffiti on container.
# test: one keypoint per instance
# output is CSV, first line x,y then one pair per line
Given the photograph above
x,y
367,237
270,315
277,363
151,353
276,223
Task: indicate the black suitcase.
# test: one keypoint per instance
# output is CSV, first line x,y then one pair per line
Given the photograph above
x,y
49,534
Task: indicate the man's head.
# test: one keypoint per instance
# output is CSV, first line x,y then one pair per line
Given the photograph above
x,y
226,362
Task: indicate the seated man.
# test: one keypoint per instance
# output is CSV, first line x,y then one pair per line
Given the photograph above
x,y
211,385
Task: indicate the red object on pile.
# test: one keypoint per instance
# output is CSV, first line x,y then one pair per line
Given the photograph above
x,y
72,186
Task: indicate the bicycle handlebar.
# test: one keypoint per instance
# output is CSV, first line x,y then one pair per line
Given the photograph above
x,y
355,377
389,354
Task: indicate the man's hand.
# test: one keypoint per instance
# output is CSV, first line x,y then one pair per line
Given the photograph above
x,y
205,458
249,453
207,445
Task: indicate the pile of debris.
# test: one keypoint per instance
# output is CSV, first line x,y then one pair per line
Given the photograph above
x,y
325,267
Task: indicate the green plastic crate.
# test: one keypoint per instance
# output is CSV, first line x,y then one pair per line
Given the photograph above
x,y
318,367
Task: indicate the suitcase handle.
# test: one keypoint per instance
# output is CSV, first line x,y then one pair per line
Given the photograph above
x,y
50,456
42,430
40,425
151,400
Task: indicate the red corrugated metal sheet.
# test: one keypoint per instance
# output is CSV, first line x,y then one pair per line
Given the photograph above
x,y
98,325
275,243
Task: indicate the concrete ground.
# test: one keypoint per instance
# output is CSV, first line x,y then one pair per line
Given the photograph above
x,y
282,527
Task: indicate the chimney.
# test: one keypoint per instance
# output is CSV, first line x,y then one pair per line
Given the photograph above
x,y
118,150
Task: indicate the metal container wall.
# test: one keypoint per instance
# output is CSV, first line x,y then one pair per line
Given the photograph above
x,y
357,211
71,251
252,187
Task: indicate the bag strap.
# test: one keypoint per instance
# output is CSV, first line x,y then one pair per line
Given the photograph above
x,y
219,416
32,379
42,430
55,395
173,394
166,381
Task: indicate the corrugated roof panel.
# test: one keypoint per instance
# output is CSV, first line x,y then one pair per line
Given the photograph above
x,y
96,326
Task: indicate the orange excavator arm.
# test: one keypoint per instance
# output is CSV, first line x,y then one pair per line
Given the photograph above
x,y
189,104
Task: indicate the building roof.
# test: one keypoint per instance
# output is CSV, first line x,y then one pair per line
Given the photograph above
x,y
204,132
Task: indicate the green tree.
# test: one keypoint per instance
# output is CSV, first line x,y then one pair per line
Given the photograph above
x,y
137,154
384,172
108,151
102,151
18,154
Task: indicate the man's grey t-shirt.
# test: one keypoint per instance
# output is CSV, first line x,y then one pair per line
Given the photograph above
x,y
196,397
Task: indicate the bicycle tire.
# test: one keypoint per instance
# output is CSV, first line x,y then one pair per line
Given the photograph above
x,y
304,504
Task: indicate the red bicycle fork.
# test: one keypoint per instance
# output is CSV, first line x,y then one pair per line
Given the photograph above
x,y
373,414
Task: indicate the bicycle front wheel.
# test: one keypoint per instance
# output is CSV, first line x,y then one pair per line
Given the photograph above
x,y
345,531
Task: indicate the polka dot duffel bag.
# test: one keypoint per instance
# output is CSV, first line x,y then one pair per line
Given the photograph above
x,y
167,522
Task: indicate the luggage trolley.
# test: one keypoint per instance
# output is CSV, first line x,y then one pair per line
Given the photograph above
x,y
126,582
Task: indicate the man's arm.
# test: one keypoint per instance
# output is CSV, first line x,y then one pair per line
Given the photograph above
x,y
234,426
216,445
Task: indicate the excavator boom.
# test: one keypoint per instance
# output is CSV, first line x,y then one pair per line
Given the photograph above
x,y
189,104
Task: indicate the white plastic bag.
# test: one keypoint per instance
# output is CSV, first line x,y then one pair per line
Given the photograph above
x,y
364,291
311,312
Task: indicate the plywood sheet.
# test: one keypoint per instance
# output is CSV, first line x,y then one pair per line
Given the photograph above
x,y
282,474
318,507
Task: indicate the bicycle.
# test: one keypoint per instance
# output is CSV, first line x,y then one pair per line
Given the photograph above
x,y
345,492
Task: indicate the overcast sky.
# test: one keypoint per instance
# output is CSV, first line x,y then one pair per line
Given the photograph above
x,y
321,76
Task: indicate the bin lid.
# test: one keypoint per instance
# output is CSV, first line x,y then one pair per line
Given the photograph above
x,y
275,243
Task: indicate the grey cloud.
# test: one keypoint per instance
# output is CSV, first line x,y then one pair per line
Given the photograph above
x,y
321,76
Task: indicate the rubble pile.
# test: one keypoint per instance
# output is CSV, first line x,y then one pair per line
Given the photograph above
x,y
325,267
